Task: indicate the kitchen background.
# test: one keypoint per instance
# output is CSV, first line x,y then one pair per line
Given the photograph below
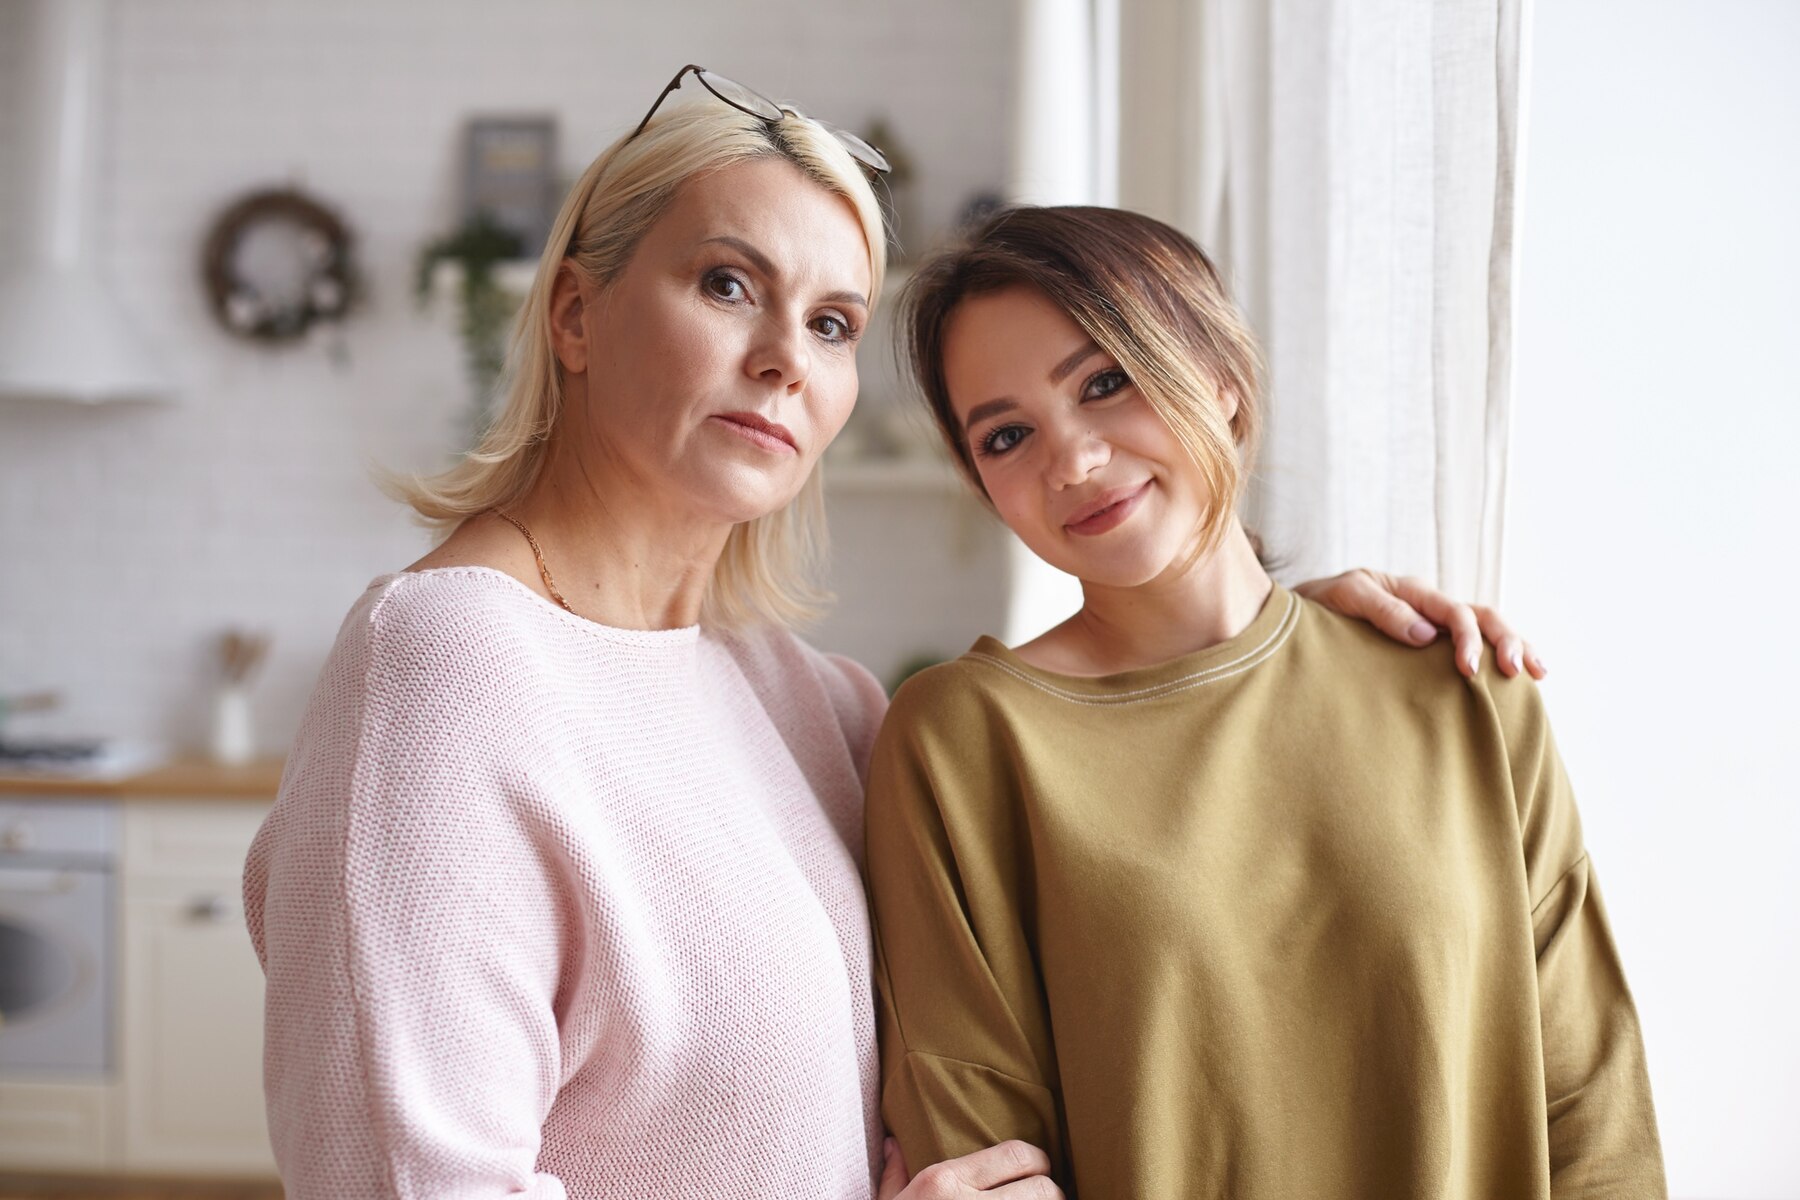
x,y
1650,487
134,534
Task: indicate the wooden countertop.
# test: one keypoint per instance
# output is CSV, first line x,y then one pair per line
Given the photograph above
x,y
182,778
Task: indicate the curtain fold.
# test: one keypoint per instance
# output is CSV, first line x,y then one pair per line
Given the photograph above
x,y
1352,166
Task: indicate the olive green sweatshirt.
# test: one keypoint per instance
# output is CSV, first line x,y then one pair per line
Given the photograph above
x,y
1303,915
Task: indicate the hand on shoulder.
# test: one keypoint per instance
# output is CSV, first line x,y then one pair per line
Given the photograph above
x,y
1411,612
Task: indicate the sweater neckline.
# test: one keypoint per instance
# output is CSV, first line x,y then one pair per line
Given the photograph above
x,y
678,636
1259,641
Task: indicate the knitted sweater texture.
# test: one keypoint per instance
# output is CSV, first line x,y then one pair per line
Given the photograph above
x,y
552,909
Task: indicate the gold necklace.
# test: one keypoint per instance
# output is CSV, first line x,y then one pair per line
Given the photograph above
x,y
537,552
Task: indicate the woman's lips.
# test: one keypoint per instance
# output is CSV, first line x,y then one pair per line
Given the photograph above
x,y
1108,510
759,431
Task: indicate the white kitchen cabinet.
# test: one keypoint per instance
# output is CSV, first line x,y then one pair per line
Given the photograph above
x,y
180,1091
190,1034
56,1126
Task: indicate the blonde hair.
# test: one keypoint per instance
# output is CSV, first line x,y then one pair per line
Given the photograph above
x,y
770,567
1146,294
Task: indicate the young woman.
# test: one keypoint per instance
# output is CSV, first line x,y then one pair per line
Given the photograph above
x,y
562,893
1209,891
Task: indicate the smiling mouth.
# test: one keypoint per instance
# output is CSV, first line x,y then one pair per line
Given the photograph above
x,y
760,431
1107,510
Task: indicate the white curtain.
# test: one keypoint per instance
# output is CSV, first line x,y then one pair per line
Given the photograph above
x,y
1064,152
1352,165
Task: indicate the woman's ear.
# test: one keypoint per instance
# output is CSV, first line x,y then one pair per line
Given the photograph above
x,y
568,319
1228,404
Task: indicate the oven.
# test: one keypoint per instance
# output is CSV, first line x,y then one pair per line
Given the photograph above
x,y
58,863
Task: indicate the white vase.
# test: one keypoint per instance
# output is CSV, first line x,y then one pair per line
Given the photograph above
x,y
233,739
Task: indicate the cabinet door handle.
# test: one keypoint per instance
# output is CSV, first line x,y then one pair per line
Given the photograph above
x,y
208,908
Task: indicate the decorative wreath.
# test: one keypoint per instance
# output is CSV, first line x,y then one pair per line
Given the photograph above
x,y
321,244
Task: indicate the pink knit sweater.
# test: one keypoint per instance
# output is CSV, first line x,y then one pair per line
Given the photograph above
x,y
553,909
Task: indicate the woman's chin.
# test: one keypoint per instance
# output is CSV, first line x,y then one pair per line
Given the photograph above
x,y
1128,567
751,500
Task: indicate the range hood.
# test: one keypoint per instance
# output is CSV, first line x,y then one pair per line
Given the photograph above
x,y
62,335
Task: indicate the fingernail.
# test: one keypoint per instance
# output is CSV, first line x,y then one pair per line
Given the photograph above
x,y
1538,662
1422,632
1513,659
1473,662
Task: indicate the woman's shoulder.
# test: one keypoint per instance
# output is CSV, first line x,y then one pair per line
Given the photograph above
x,y
784,670
988,674
966,676
447,636
404,686
402,598
442,612
953,702
429,690
1423,680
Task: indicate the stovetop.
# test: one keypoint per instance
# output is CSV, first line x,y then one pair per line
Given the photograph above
x,y
58,753
80,758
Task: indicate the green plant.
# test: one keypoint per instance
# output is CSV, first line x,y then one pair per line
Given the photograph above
x,y
486,310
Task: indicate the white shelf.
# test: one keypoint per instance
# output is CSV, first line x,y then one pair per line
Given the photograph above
x,y
513,276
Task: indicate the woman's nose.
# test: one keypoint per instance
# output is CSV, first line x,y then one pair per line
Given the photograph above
x,y
780,355
1076,454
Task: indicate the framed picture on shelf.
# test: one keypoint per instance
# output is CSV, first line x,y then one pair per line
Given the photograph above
x,y
509,173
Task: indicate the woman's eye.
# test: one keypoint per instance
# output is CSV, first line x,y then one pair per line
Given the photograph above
x,y
1105,383
834,329
723,285
1000,440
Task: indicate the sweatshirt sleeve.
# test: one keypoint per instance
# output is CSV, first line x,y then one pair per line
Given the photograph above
x,y
1603,1137
411,927
966,1055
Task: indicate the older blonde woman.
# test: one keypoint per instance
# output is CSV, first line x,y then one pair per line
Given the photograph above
x,y
562,893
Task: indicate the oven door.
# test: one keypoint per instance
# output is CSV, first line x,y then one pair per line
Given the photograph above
x,y
55,970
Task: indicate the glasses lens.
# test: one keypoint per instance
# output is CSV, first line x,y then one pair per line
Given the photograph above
x,y
739,96
860,150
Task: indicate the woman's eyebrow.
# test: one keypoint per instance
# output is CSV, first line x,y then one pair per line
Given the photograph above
x,y
1061,370
763,263
757,258
986,409
1058,373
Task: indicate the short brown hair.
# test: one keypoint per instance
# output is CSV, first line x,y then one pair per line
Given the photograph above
x,y
1146,294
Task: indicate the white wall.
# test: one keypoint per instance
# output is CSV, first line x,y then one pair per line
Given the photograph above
x,y
1652,542
130,536
13,33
